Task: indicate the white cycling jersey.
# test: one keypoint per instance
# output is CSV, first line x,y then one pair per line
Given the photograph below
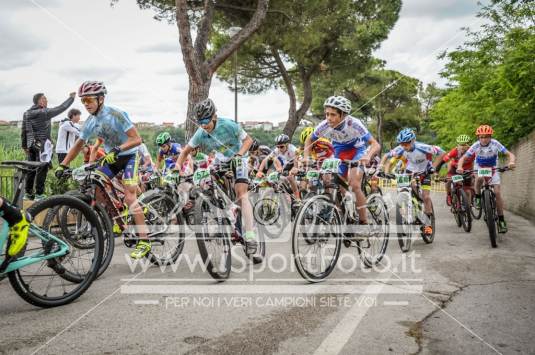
x,y
486,156
350,133
419,159
287,155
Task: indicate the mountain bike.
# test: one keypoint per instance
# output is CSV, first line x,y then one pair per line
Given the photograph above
x,y
410,218
61,257
488,202
329,219
460,202
218,220
106,196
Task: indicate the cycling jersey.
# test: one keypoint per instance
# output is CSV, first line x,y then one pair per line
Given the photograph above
x,y
284,157
110,125
419,159
351,133
174,150
486,156
225,139
454,156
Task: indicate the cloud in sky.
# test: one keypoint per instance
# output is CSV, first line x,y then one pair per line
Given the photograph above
x,y
140,60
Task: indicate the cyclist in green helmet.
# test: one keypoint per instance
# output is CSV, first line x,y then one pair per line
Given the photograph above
x,y
452,158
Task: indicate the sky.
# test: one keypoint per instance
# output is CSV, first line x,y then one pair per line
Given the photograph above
x,y
52,46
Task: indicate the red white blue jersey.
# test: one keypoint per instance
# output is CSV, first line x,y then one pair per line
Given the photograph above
x,y
419,159
486,156
350,133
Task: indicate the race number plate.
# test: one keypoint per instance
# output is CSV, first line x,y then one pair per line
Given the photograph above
x,y
485,172
331,165
457,178
200,176
403,180
273,177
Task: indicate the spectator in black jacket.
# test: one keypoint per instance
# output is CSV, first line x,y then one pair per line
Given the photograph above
x,y
36,129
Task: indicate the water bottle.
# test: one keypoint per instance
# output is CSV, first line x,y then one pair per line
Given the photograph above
x,y
349,204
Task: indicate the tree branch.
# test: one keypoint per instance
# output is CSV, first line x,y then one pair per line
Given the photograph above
x,y
248,9
239,38
204,29
184,35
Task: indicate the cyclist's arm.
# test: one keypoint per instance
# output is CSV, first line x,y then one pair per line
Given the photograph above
x,y
375,148
134,139
73,152
158,161
182,157
512,159
263,163
277,164
307,147
439,161
246,144
93,150
385,162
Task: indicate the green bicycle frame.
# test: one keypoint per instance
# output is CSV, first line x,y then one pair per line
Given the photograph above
x,y
35,257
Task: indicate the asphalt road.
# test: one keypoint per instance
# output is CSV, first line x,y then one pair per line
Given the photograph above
x,y
457,295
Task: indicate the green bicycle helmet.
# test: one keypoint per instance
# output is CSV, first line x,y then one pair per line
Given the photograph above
x,y
163,138
463,139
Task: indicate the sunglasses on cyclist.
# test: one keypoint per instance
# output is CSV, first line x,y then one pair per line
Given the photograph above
x,y
88,100
281,146
485,136
204,121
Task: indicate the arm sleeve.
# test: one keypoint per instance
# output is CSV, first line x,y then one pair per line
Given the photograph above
x,y
195,140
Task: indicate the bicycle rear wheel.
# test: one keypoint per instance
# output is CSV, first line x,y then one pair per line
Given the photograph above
x,y
44,283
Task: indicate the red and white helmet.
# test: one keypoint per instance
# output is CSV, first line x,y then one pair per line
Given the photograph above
x,y
92,88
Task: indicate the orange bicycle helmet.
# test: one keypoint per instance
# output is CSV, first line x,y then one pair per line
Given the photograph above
x,y
484,130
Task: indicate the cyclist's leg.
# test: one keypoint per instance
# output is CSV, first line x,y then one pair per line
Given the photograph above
x,y
355,182
426,195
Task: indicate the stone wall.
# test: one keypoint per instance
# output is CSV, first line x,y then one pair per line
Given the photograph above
x,y
518,186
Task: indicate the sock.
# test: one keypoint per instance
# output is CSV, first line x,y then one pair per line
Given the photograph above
x,y
12,214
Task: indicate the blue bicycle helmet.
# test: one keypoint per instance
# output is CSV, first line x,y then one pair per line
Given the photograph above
x,y
405,135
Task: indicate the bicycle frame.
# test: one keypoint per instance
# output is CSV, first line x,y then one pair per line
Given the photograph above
x,y
26,260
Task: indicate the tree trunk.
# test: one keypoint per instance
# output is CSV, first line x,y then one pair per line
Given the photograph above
x,y
199,68
380,130
293,121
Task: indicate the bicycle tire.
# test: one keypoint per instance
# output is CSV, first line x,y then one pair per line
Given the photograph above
x,y
108,235
376,207
202,205
175,251
455,208
466,216
404,229
28,292
475,212
305,273
486,201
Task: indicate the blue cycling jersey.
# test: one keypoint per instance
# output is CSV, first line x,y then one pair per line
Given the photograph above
x,y
110,125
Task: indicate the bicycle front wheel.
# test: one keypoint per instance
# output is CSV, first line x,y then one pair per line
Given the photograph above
x,y
487,204
212,231
373,249
403,223
316,238
43,283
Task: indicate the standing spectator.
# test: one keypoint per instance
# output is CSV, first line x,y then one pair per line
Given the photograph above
x,y
35,132
69,130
